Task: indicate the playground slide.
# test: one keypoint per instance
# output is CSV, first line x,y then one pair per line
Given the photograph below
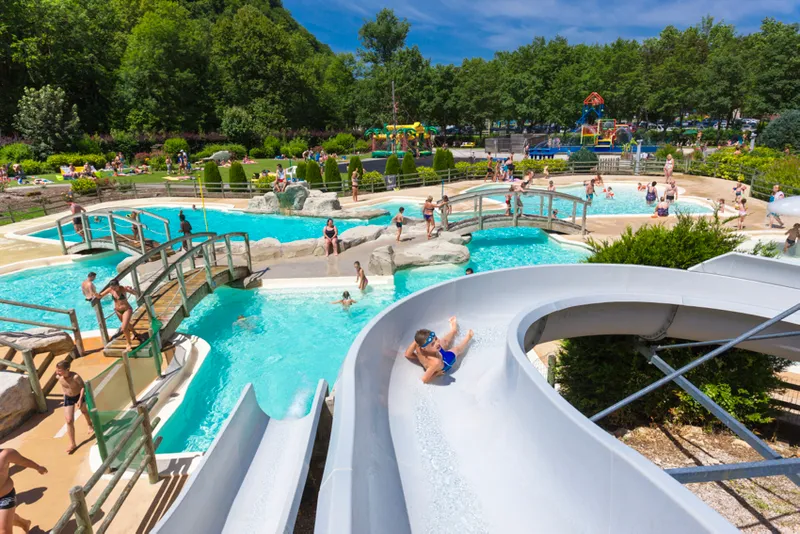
x,y
252,477
491,447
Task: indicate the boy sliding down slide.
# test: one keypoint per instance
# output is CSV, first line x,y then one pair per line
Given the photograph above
x,y
433,352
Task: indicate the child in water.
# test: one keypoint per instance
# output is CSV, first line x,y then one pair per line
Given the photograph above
x,y
609,193
361,277
346,301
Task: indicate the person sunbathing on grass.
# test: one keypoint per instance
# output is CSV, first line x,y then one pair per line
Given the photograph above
x,y
435,354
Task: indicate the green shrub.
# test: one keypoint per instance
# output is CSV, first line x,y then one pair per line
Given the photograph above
x,y
272,146
594,372
174,145
341,144
727,164
15,153
584,155
313,175
450,160
237,151
264,183
56,161
362,146
84,186
784,171
667,150
783,131
31,166
302,168
371,179
110,156
538,165
237,174
258,153
409,166
429,176
439,160
355,164
332,175
211,177
158,162
392,165
294,148
87,145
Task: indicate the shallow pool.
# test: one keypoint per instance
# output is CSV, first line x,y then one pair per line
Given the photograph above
x,y
627,201
281,227
58,286
290,339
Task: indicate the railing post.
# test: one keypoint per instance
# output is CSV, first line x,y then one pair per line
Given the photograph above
x,y
135,280
33,378
169,194
166,231
82,518
112,231
149,448
76,329
448,175
229,251
583,219
141,237
87,232
133,188
247,251
550,211
164,260
445,225
516,209
182,285
207,265
60,235
101,320
480,213
574,210
541,206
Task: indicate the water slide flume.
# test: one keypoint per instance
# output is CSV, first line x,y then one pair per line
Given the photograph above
x,y
492,447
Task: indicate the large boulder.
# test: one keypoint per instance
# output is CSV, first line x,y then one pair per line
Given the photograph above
x,y
268,248
381,261
299,248
452,237
364,214
435,252
40,340
359,235
16,401
321,204
295,196
267,203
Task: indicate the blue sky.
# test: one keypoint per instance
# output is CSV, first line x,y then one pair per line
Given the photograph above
x,y
449,30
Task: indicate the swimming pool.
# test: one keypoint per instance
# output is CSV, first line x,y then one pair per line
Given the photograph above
x,y
57,286
282,227
292,338
627,201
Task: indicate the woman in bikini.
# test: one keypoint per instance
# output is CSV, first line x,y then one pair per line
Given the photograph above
x,y
427,214
122,308
742,212
652,194
331,235
551,186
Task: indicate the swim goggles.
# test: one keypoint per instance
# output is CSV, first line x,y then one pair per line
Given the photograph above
x,y
428,341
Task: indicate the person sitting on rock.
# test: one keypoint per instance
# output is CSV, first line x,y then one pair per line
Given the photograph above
x,y
331,235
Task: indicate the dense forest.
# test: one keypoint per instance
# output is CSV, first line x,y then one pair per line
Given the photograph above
x,y
247,68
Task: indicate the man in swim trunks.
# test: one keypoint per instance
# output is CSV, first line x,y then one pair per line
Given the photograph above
x,y
791,237
590,190
777,194
435,354
73,387
77,222
88,289
8,495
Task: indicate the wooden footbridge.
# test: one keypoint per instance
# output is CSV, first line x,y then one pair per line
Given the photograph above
x,y
532,208
167,290
122,230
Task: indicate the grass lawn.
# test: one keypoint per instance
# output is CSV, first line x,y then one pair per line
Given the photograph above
x,y
158,177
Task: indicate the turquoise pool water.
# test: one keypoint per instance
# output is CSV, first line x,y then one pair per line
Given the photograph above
x,y
293,338
58,286
627,201
281,227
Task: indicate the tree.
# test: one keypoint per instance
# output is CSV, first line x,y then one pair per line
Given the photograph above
x,y
392,166
313,176
46,119
272,146
237,174
164,72
409,167
774,62
173,145
355,164
212,179
332,175
783,131
238,125
382,37
440,159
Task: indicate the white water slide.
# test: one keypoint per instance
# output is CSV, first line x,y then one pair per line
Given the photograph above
x,y
491,447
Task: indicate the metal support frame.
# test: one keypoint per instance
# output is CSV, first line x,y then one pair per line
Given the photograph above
x,y
777,335
727,419
713,473
699,361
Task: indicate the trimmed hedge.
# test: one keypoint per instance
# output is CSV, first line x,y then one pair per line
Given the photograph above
x,y
174,145
211,177
342,143
258,153
56,161
584,155
237,174
313,175
294,148
83,186
302,169
353,164
30,166
409,166
392,165
439,160
783,131
332,175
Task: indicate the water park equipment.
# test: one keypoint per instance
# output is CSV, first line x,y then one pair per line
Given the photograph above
x,y
602,133
417,135
492,447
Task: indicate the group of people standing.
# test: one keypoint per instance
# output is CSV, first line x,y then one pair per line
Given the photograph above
x,y
499,170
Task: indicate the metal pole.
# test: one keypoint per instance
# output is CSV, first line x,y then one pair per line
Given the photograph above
x,y
732,423
112,231
150,450
713,473
166,231
247,251
721,341
229,251
82,518
394,118
141,237
33,378
699,361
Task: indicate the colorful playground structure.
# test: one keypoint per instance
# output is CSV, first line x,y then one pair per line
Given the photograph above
x,y
416,136
597,133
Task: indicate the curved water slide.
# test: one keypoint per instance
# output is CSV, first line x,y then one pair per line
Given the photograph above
x,y
491,447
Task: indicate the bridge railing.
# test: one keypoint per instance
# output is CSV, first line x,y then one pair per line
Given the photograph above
x,y
145,284
111,226
545,212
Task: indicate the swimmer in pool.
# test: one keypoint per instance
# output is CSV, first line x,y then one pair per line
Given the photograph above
x,y
243,322
346,301
609,193
435,354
